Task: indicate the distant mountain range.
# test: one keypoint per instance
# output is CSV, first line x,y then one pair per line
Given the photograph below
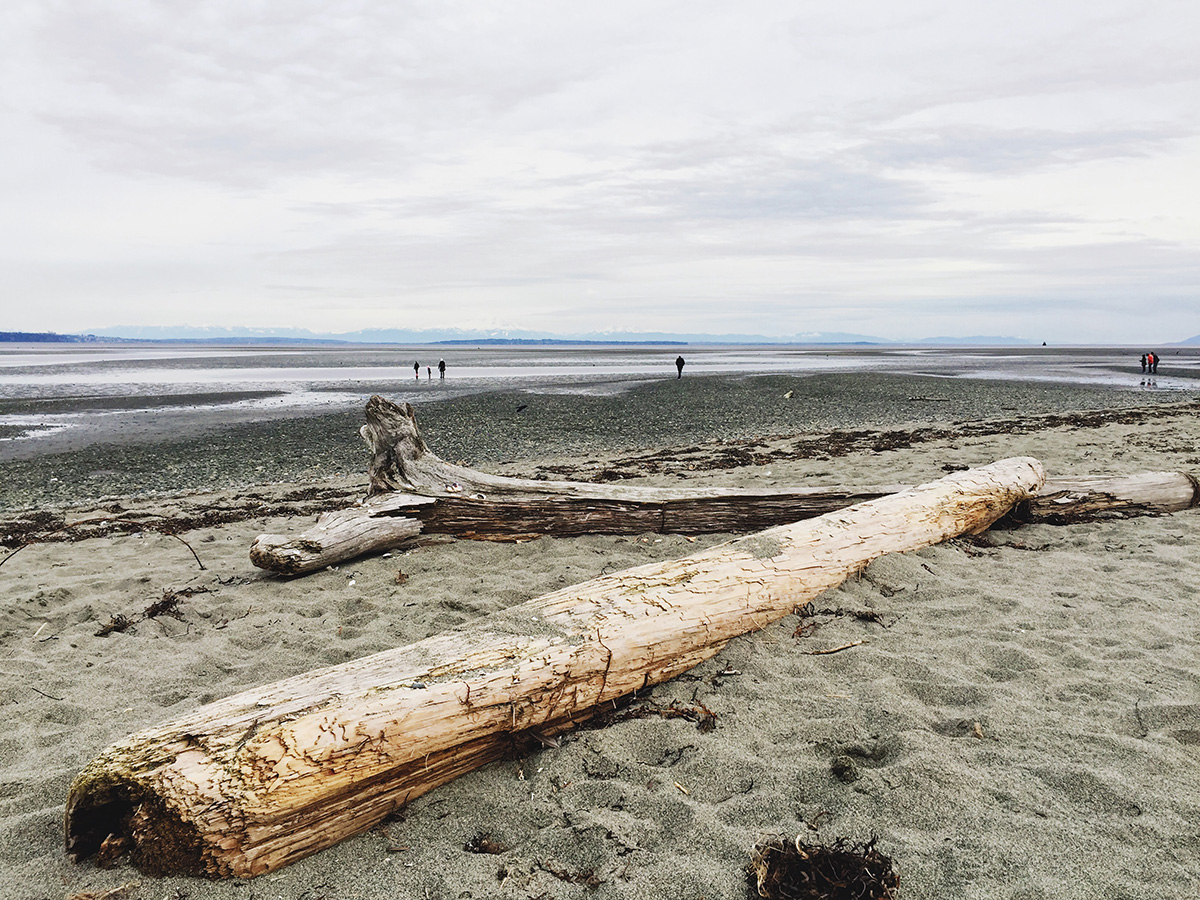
x,y
464,336
473,336
459,336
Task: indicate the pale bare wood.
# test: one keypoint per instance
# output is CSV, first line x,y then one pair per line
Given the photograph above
x,y
336,537
249,783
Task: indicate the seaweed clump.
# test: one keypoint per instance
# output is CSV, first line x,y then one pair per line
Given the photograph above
x,y
793,870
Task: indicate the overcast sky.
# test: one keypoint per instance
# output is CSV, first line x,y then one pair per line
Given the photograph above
x,y
897,168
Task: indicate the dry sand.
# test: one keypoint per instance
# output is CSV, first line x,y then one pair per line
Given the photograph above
x,y
1023,722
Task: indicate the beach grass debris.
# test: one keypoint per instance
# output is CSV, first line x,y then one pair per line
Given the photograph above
x,y
169,604
809,623
782,869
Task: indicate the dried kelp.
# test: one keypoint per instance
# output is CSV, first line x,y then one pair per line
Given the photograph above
x,y
794,870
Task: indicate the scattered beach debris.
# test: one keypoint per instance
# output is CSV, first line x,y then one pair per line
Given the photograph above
x,y
735,453
189,513
118,623
809,622
118,893
838,649
586,877
794,870
705,718
483,843
168,605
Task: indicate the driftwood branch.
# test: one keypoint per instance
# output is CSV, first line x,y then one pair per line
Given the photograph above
x,y
337,536
410,482
252,782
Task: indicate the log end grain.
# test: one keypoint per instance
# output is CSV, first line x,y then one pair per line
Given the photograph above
x,y
110,815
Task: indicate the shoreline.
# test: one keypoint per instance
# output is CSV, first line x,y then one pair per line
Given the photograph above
x,y
515,428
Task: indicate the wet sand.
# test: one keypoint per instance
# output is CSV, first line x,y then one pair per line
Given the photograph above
x,y
1022,720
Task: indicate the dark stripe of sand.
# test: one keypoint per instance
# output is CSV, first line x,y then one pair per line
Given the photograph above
x,y
520,427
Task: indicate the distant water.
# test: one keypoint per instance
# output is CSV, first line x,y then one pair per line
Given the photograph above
x,y
51,395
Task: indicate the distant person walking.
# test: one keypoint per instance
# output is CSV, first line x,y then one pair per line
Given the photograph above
x,y
417,370
1143,363
1153,361
679,366
441,368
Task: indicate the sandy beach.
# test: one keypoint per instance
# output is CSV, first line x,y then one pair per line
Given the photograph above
x,y
1021,719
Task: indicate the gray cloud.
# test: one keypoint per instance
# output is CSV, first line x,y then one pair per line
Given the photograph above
x,y
657,162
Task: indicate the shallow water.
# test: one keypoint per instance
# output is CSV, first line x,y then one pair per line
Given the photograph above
x,y
51,398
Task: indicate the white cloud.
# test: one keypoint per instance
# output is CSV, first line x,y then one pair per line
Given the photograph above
x,y
930,167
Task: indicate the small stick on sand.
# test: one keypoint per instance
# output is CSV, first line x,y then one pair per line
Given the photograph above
x,y
836,649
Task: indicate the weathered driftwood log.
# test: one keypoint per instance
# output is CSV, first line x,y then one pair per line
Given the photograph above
x,y
249,783
432,496
436,497
370,528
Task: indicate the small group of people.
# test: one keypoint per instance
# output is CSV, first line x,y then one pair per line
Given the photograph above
x,y
429,371
1150,363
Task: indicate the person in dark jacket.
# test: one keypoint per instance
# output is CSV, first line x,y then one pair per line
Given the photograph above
x,y
679,366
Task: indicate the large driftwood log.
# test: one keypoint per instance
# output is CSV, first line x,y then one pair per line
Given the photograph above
x,y
249,783
371,528
411,483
